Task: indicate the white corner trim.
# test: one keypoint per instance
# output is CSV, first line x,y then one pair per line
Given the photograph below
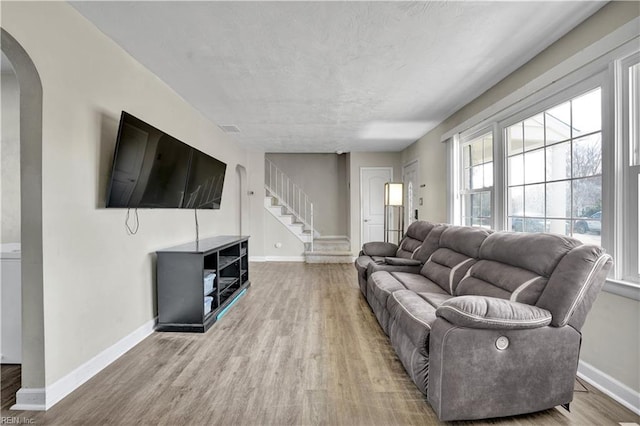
x,y
622,288
610,386
43,399
30,399
257,259
284,258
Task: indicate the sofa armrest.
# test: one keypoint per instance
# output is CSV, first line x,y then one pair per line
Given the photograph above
x,y
492,313
401,261
379,248
504,372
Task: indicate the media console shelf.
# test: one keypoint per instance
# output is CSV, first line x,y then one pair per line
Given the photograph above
x,y
185,301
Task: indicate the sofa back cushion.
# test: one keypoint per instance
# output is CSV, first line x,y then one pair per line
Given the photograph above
x,y
515,266
412,241
457,251
430,244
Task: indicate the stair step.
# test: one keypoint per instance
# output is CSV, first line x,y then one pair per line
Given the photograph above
x,y
332,244
328,257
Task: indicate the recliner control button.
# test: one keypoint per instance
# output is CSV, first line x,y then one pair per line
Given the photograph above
x,y
502,343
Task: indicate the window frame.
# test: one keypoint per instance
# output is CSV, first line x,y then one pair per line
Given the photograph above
x,y
458,167
561,96
467,139
627,178
603,58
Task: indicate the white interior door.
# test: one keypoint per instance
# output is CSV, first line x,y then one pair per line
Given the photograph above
x,y
411,185
372,180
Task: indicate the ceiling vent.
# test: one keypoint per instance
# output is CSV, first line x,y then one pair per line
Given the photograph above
x,y
230,129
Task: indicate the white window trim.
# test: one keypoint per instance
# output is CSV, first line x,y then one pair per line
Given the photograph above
x,y
626,188
458,142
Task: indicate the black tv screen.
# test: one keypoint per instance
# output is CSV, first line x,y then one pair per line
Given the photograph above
x,y
204,184
152,169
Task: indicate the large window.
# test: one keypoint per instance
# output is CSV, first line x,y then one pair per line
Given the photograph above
x,y
476,182
554,170
563,158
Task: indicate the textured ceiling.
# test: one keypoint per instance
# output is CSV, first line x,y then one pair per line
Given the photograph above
x,y
328,76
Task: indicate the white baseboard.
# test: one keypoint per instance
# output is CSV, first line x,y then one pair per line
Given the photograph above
x,y
610,386
276,259
43,399
30,399
284,258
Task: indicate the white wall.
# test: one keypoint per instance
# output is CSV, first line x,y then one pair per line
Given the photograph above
x,y
279,242
98,281
321,177
10,159
432,155
611,341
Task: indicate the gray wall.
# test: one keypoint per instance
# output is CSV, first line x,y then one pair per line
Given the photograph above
x,y
323,178
10,157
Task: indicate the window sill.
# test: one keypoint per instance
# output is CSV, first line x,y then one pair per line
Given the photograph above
x,y
622,288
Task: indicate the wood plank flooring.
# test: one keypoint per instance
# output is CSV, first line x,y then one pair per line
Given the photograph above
x,y
301,347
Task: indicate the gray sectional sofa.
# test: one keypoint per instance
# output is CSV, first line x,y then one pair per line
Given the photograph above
x,y
488,324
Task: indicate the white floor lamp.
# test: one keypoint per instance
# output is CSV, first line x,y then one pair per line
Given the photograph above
x,y
393,211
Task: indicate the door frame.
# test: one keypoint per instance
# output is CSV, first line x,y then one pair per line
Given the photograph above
x,y
416,162
361,218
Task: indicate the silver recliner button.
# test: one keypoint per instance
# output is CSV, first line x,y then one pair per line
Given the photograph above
x,y
502,343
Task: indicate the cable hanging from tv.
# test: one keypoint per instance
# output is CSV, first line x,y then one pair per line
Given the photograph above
x,y
132,229
195,213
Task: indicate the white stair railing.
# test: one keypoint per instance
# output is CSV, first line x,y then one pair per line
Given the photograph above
x,y
289,195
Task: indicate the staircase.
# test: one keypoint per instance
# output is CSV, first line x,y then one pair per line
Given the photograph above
x,y
288,219
291,206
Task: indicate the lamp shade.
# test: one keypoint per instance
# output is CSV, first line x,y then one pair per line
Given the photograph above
x,y
393,194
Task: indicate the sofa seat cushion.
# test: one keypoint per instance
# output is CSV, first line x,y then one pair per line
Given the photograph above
x,y
414,316
492,313
381,284
435,299
416,282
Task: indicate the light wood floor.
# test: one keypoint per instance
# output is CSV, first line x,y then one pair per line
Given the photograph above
x,y
301,347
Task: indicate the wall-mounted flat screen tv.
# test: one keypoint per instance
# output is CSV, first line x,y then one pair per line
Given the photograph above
x,y
152,169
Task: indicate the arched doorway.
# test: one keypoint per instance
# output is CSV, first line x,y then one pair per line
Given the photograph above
x,y
31,395
243,200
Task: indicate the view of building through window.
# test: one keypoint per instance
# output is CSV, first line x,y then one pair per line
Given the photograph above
x,y
554,170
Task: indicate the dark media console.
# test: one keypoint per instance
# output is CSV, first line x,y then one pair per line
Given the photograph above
x,y
189,299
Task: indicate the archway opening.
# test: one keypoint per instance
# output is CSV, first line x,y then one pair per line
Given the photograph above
x,y
31,395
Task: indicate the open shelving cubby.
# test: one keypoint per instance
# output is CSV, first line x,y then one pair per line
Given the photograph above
x,y
185,302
